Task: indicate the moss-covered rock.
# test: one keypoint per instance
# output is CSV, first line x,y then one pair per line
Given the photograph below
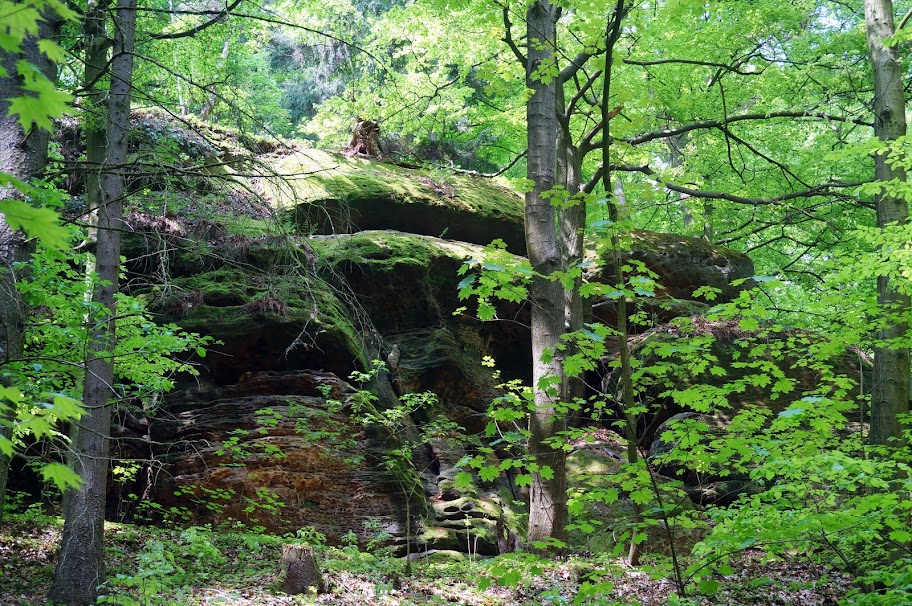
x,y
333,193
681,264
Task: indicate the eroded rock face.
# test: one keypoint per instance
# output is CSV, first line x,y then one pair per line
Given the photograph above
x,y
289,450
272,451
358,195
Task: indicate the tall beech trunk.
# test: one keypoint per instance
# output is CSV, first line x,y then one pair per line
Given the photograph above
x,y
80,564
24,156
890,388
548,495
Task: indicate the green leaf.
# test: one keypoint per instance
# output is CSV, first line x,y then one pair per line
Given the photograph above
x,y
486,311
12,394
53,50
510,579
463,480
465,282
47,103
62,476
41,223
749,324
791,412
708,587
483,583
67,408
901,536
6,446
489,473
524,479
20,20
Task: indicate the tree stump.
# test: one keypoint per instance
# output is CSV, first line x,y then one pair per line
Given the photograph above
x,y
299,571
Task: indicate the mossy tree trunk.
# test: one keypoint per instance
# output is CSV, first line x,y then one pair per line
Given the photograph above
x,y
548,514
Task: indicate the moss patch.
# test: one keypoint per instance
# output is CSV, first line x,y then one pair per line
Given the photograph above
x,y
331,193
384,250
312,175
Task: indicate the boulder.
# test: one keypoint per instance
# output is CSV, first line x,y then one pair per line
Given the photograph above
x,y
602,511
267,434
334,194
681,264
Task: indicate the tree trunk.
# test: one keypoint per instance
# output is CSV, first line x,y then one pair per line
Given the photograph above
x,y
890,388
80,564
94,31
548,494
618,212
571,230
24,156
209,105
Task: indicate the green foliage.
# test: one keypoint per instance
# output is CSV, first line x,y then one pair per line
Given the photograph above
x,y
37,219
395,424
49,378
147,353
498,277
162,567
41,100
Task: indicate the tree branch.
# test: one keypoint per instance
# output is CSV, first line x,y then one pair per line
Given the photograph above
x,y
590,80
574,66
508,35
823,189
508,166
721,66
194,31
704,124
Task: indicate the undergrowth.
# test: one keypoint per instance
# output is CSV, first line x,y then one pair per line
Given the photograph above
x,y
234,565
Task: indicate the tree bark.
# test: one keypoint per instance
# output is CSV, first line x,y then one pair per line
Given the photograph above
x,y
80,569
97,44
24,156
571,220
890,388
299,571
548,495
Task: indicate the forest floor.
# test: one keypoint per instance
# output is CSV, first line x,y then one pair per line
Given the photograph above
x,y
147,565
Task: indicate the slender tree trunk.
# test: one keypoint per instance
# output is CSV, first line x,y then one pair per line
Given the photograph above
x,y
571,230
890,389
548,494
209,105
24,156
97,44
80,564
618,215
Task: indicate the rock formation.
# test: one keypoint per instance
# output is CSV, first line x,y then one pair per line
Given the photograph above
x,y
273,432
